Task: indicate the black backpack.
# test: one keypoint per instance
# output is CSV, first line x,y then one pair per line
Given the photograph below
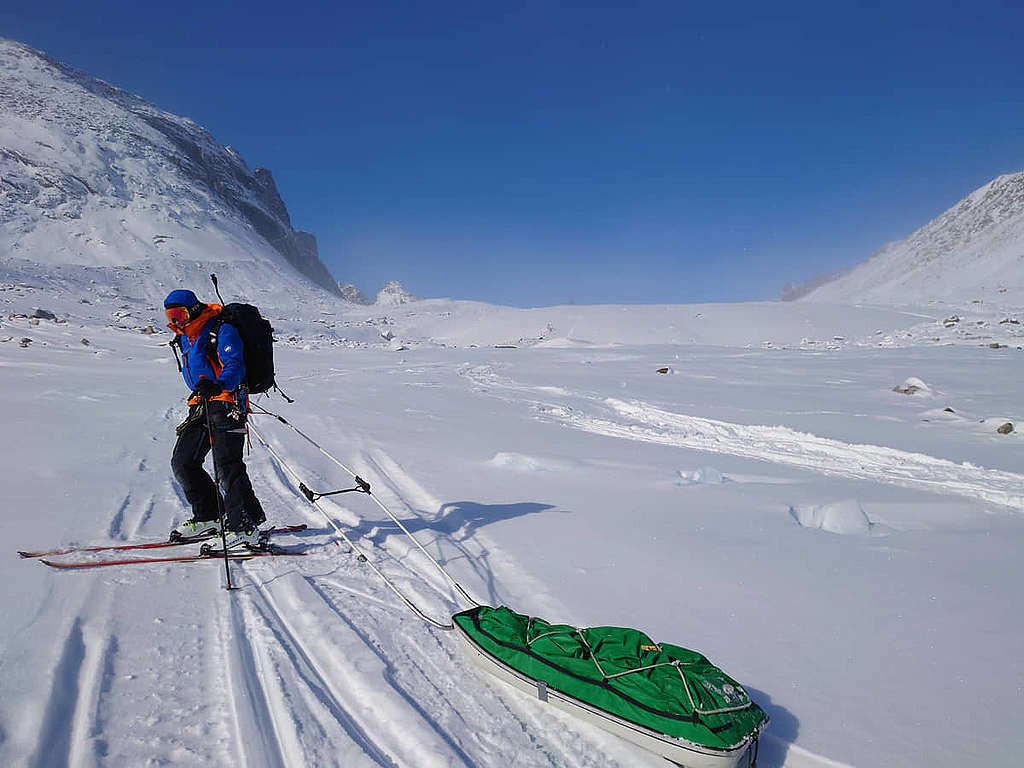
x,y
257,344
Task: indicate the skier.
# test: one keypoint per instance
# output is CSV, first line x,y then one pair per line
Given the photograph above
x,y
213,366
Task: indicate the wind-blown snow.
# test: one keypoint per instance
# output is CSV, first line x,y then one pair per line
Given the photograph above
x,y
847,517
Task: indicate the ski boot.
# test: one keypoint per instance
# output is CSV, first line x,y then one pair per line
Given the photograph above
x,y
246,539
195,529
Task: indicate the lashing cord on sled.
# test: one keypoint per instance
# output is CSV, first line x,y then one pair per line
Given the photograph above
x,y
695,708
605,676
362,486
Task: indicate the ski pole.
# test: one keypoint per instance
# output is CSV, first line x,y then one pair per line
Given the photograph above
x,y
220,499
213,279
361,487
351,546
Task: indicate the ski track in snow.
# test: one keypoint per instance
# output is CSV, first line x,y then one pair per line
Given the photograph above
x,y
805,451
108,697
327,667
65,708
449,538
313,661
326,642
636,420
290,700
774,749
111,700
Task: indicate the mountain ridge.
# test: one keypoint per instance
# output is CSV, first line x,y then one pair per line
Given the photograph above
x,y
96,176
974,251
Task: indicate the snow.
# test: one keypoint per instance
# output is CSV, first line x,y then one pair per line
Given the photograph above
x,y
913,386
517,461
830,543
702,476
846,517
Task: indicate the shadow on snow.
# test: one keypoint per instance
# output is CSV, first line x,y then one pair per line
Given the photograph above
x,y
782,731
448,535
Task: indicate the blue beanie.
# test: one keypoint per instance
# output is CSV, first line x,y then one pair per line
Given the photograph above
x,y
181,298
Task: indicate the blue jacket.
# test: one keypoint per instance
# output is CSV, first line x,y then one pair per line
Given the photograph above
x,y
195,357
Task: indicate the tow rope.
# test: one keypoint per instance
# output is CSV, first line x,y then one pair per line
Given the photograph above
x,y
361,487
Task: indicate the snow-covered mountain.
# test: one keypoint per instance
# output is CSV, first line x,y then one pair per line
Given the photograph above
x,y
352,294
972,252
97,182
393,294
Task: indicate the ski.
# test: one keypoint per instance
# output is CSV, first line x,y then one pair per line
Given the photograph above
x,y
217,556
152,544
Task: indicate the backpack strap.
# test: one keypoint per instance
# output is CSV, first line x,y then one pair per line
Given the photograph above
x,y
211,339
175,345
211,343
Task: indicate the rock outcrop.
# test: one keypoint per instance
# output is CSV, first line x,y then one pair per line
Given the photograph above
x,y
352,294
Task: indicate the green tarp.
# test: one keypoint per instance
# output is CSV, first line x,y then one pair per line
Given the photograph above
x,y
680,694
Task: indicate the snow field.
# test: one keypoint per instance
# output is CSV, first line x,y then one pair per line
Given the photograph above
x,y
314,661
292,664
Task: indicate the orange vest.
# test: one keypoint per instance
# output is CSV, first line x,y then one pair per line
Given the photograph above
x,y
192,331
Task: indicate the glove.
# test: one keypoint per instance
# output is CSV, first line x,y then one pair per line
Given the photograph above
x,y
208,388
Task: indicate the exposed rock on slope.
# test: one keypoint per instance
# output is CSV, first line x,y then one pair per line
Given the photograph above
x,y
352,294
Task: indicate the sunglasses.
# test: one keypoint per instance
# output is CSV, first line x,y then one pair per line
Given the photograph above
x,y
177,316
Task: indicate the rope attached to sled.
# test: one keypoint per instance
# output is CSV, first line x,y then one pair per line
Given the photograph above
x,y
364,487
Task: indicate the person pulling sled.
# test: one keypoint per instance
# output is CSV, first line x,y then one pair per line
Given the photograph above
x,y
212,362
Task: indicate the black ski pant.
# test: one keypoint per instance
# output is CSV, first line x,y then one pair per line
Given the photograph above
x,y
240,503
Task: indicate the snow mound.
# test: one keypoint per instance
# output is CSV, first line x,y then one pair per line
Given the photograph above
x,y
702,476
913,386
553,390
519,462
846,518
565,342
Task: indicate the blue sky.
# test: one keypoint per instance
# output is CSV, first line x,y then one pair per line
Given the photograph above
x,y
535,153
